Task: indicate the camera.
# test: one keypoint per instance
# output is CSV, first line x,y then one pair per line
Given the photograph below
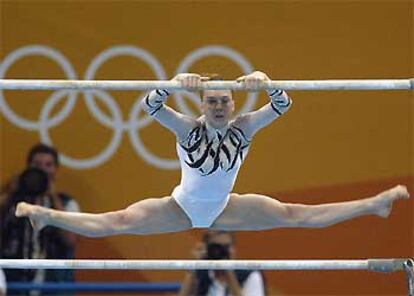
x,y
218,251
33,182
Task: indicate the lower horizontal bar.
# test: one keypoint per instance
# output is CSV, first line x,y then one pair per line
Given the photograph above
x,y
387,265
110,287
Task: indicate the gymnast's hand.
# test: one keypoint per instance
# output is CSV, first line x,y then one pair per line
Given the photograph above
x,y
253,81
190,81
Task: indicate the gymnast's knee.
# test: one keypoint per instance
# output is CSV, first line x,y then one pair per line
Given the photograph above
x,y
298,215
287,215
127,221
117,222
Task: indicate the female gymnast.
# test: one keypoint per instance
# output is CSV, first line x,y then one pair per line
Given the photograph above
x,y
211,150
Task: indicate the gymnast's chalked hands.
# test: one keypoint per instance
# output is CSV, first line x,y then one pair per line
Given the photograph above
x,y
253,81
190,81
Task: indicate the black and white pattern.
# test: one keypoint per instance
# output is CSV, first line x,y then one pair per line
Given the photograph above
x,y
155,100
280,101
207,151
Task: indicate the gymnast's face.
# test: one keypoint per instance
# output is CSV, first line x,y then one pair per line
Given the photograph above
x,y
217,106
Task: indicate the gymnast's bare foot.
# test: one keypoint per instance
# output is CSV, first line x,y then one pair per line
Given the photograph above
x,y
36,214
383,201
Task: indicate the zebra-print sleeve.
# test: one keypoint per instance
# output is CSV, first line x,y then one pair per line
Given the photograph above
x,y
154,100
280,101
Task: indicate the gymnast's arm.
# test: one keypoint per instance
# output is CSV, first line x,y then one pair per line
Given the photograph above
x,y
154,105
254,121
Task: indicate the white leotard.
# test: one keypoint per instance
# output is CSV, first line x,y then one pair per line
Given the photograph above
x,y
210,160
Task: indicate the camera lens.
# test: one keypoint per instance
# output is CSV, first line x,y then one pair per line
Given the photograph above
x,y
33,182
217,251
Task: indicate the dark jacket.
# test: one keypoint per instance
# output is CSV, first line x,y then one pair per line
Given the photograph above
x,y
16,242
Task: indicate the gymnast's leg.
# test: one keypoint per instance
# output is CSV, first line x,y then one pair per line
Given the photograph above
x,y
154,215
259,212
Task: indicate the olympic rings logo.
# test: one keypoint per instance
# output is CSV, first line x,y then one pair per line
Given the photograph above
x,y
119,125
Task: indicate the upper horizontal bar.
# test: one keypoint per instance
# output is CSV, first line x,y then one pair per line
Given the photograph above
x,y
361,84
369,264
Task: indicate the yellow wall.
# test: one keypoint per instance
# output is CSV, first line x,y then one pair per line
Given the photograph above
x,y
331,146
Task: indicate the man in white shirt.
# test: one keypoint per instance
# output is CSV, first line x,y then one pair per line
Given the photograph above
x,y
220,245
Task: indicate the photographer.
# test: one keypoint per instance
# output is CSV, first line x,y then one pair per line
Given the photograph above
x,y
3,286
18,240
219,245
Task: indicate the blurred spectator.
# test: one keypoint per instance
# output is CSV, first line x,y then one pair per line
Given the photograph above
x,y
219,245
3,286
36,184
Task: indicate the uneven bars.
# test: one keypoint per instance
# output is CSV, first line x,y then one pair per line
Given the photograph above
x,y
385,265
349,84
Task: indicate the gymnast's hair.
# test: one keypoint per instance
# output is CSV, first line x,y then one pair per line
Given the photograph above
x,y
211,77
